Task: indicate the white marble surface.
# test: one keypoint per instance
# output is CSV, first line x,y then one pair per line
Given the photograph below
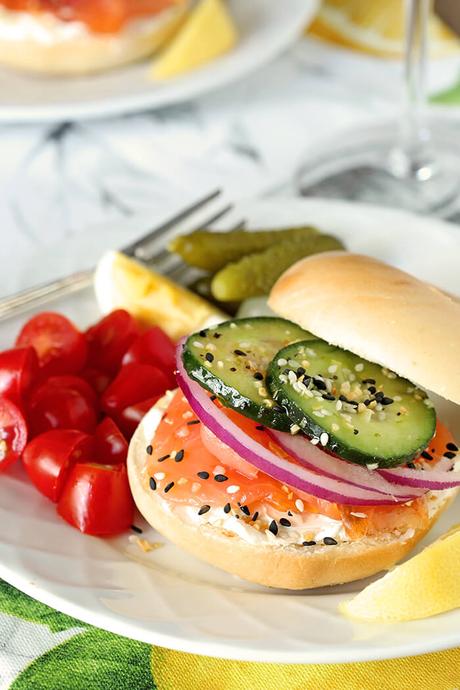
x,y
57,181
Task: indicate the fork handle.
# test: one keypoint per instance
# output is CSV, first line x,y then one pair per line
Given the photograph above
x,y
40,294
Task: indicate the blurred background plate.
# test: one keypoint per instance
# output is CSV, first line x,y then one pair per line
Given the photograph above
x,y
169,598
266,29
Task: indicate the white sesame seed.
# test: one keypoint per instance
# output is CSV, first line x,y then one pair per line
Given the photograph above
x,y
359,367
324,439
372,465
233,489
233,325
335,427
210,346
220,364
299,505
294,429
196,486
314,441
218,469
338,405
159,475
282,362
196,343
305,363
359,515
187,414
318,413
182,480
332,369
397,398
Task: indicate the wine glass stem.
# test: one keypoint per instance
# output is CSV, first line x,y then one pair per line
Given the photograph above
x,y
415,150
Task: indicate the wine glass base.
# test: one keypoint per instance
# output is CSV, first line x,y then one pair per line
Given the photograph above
x,y
364,165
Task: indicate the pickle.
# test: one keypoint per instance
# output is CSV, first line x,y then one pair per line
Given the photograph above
x,y
211,251
202,287
256,274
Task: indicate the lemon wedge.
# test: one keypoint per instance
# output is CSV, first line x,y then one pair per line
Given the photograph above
x,y
376,27
122,283
208,33
427,584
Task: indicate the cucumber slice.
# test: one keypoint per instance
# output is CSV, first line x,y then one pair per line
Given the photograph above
x,y
359,410
231,360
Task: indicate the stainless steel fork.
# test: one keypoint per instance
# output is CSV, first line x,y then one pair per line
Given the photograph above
x,y
145,249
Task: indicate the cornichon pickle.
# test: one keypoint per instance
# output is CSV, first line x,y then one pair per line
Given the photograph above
x,y
213,250
202,287
256,274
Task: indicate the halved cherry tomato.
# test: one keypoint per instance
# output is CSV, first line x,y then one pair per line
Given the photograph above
x,y
13,433
111,445
60,347
18,368
156,348
97,499
131,416
109,339
134,383
49,457
54,407
97,379
75,383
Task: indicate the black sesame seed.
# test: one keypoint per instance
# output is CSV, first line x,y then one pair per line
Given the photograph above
x,y
426,455
289,513
204,509
398,414
193,421
212,398
240,353
153,484
245,510
163,458
149,450
451,446
259,427
285,522
136,529
386,400
320,385
203,334
328,396
309,543
179,455
356,432
209,357
220,478
450,454
232,368
372,381
372,389
411,465
329,541
168,487
343,398
300,371
203,475
255,516
227,508
273,527
379,396
258,376
217,335
367,402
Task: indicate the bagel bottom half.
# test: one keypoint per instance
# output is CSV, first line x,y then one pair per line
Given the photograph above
x,y
285,566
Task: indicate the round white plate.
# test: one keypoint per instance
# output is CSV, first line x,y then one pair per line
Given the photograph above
x,y
168,598
266,29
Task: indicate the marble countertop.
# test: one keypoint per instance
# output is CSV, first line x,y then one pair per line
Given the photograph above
x,y
57,181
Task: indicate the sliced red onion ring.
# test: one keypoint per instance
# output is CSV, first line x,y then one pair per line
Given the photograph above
x,y
424,479
316,459
265,460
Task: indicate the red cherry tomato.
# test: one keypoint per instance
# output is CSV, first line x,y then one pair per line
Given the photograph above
x,y
18,368
60,347
131,416
111,445
109,339
156,348
13,433
49,457
97,379
75,383
134,383
52,407
97,499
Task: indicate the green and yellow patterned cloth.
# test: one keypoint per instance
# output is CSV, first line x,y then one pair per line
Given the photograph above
x,y
42,649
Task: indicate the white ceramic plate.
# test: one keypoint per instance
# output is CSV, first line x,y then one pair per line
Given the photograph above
x,y
266,28
167,597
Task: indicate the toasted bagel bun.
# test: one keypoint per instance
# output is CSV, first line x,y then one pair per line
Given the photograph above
x,y
378,312
287,566
44,44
